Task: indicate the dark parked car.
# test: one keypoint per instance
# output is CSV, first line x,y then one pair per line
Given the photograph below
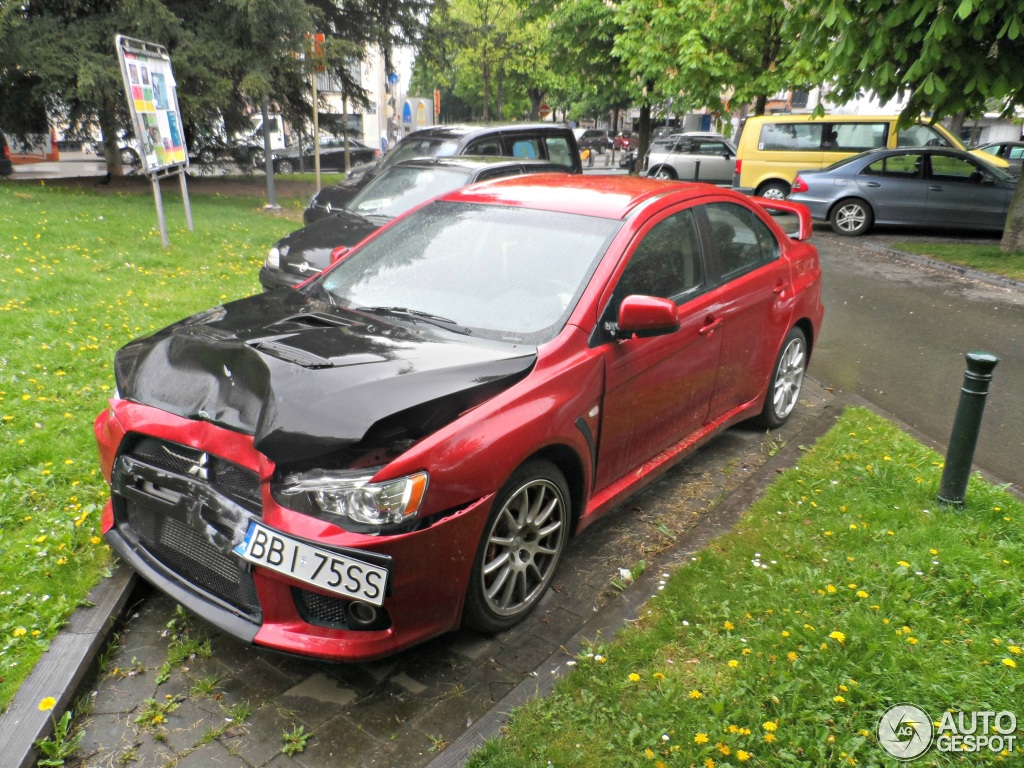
x,y
541,141
593,139
212,148
1011,151
6,166
332,155
924,186
407,442
307,251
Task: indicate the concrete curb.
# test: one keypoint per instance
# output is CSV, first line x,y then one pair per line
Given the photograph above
x,y
61,669
945,266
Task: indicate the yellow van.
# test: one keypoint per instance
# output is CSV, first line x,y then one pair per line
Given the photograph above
x,y
772,148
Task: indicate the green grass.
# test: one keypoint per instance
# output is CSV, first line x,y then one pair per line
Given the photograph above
x,y
987,258
845,590
81,273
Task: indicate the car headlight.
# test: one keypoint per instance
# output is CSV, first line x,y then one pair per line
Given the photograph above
x,y
348,498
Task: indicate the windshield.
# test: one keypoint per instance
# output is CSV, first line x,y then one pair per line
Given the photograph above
x,y
411,147
403,187
509,274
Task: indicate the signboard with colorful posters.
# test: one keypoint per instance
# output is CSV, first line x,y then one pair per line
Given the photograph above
x,y
153,102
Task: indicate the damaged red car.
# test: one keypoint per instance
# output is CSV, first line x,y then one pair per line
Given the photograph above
x,y
407,442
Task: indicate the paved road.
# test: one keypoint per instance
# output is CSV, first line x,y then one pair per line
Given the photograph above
x,y
896,334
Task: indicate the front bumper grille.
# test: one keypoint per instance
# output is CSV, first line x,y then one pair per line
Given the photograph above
x,y
183,511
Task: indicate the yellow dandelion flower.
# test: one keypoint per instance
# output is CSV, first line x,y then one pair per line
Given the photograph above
x,y
1009,663
695,694
1014,650
769,738
45,705
747,651
904,563
729,625
830,589
634,677
838,699
650,753
785,633
853,526
19,632
912,640
861,593
792,656
771,726
709,763
95,540
658,676
723,748
701,738
864,732
839,637
742,756
933,551
733,663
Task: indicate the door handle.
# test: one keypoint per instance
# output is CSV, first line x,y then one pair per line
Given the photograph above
x,y
780,287
872,184
710,325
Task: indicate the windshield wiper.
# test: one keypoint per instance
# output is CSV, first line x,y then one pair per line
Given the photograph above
x,y
416,314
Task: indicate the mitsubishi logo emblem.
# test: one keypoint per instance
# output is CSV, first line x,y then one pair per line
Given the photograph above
x,y
199,467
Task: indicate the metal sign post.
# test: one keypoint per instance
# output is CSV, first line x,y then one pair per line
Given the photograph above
x,y
156,119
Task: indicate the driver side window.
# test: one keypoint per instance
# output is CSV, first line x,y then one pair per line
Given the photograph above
x,y
667,263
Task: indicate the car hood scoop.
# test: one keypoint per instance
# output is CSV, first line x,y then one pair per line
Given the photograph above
x,y
305,378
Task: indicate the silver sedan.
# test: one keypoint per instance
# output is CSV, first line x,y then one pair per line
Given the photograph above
x,y
922,186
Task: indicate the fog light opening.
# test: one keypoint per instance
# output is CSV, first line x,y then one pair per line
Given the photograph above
x,y
362,614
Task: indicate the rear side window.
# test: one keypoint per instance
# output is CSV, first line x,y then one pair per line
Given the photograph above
x,y
558,150
523,147
897,166
859,137
1016,153
790,137
742,241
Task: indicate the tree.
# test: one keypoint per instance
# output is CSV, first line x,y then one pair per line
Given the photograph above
x,y
943,57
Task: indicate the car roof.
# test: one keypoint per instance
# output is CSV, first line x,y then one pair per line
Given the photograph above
x,y
470,162
463,131
601,196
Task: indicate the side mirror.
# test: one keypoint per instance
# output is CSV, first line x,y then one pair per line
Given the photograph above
x,y
646,316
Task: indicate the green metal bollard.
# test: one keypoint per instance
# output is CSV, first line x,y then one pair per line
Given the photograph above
x,y
966,426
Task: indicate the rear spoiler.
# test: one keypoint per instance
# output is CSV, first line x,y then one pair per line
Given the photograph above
x,y
801,211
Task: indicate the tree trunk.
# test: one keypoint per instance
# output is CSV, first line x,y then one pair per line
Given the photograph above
x,y
760,103
108,127
535,100
1013,234
268,155
956,123
500,108
485,73
645,137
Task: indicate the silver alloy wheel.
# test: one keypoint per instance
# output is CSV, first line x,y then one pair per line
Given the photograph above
x,y
523,546
789,377
664,173
851,217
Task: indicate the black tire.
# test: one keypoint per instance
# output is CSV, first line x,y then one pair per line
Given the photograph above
x,y
206,157
521,546
851,217
664,172
129,156
256,159
787,378
601,149
285,166
774,190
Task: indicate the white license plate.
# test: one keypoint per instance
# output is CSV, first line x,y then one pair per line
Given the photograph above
x,y
328,570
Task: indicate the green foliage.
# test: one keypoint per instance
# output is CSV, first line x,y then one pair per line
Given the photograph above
x,y
295,740
946,58
62,744
987,258
844,590
83,274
